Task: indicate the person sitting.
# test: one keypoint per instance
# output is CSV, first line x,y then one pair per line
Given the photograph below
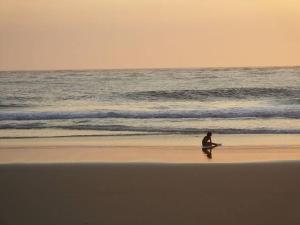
x,y
208,145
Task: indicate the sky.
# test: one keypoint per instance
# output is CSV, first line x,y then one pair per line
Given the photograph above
x,y
103,34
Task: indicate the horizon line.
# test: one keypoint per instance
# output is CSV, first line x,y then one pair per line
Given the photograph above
x,y
151,68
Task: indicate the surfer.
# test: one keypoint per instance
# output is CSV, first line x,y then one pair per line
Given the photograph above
x,y
208,145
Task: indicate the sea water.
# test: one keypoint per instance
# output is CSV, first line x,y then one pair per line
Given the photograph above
x,y
149,101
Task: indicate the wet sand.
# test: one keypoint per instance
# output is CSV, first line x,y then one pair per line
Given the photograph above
x,y
150,193
145,154
60,182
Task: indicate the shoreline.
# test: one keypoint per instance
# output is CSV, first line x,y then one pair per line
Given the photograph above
x,y
155,139
145,154
150,149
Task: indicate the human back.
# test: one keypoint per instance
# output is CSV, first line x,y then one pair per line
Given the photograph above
x,y
206,141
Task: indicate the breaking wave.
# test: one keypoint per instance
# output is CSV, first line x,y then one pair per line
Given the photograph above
x,y
149,130
268,112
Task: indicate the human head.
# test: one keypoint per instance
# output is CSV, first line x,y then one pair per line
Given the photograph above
x,y
209,134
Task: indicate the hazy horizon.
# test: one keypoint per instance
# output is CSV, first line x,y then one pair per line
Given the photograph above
x,y
155,68
138,34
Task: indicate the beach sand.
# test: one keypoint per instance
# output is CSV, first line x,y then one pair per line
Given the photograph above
x,y
57,183
152,194
149,149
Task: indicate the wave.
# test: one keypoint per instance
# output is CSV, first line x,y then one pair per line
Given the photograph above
x,y
267,112
149,130
236,93
13,105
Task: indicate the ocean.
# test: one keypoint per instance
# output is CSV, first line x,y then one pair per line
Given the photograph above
x,y
149,102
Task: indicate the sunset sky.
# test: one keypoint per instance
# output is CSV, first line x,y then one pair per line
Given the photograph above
x,y
95,34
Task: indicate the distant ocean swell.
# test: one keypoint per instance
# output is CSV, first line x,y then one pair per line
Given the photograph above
x,y
269,112
227,93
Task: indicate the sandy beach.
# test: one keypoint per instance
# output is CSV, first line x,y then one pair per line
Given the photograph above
x,y
64,182
169,194
149,149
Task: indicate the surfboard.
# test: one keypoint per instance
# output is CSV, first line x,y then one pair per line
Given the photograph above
x,y
208,147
